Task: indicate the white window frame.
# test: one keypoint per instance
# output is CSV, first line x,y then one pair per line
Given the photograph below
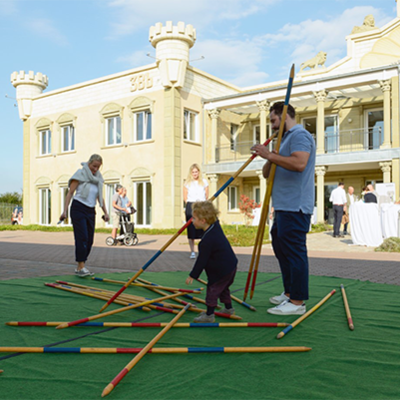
x,y
268,128
146,203
64,191
146,114
366,129
46,218
46,133
68,130
114,134
336,133
234,134
190,136
232,192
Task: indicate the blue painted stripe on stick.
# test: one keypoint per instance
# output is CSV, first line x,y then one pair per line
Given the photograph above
x,y
61,349
287,329
206,349
289,89
204,325
223,187
151,260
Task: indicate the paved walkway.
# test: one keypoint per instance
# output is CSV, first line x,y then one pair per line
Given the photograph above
x,y
25,254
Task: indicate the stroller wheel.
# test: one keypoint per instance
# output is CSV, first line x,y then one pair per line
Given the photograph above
x,y
135,240
128,240
110,241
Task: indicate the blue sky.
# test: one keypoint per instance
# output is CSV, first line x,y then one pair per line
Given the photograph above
x,y
244,42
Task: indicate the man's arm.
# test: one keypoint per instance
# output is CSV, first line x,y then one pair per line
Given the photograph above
x,y
297,161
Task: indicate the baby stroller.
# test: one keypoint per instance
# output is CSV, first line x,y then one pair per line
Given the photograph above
x,y
127,235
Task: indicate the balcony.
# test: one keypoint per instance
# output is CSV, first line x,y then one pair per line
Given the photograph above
x,y
343,142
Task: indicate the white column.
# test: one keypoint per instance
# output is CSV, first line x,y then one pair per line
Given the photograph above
x,y
263,107
385,86
320,97
386,168
214,114
320,172
263,184
213,186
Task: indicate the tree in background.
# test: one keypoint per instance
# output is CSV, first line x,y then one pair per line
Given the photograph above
x,y
246,207
11,198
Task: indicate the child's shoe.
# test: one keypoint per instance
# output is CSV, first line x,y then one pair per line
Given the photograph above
x,y
203,317
192,255
230,311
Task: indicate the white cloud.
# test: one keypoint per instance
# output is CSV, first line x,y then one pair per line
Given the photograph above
x,y
304,40
45,28
233,60
137,58
134,15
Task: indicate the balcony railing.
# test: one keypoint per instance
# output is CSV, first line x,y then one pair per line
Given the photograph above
x,y
343,142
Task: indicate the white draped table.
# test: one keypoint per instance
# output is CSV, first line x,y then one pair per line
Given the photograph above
x,y
366,227
390,218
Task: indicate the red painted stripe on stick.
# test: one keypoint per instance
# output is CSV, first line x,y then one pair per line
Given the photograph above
x,y
78,321
118,378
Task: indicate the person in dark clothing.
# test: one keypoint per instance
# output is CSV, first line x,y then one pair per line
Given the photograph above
x,y
370,196
216,257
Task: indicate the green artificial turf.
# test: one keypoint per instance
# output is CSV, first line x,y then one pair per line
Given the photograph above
x,y
343,364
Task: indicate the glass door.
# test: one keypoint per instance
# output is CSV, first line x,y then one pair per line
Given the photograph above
x,y
143,199
374,134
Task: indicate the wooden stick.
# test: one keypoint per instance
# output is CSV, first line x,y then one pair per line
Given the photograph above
x,y
271,177
79,321
157,350
141,354
346,306
189,296
159,252
303,317
243,303
157,324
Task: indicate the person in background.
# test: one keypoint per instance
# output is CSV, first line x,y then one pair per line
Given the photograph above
x,y
116,210
338,199
370,196
127,204
351,199
87,184
194,189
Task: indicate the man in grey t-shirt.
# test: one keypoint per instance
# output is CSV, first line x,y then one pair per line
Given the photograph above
x,y
293,201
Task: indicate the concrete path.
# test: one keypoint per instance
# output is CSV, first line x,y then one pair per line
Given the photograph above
x,y
25,254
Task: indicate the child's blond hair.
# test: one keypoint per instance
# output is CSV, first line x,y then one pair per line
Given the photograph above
x,y
205,210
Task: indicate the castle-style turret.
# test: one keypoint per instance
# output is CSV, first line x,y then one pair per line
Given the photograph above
x,y
28,86
172,44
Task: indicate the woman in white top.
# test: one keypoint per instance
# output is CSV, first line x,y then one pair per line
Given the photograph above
x,y
87,182
194,189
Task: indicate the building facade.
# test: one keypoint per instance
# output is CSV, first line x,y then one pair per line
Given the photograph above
x,y
151,123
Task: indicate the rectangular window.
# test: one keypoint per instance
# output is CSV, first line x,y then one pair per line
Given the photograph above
x,y
68,138
232,198
374,135
142,203
142,125
113,130
190,126
257,133
44,206
64,192
331,134
234,133
45,142
257,194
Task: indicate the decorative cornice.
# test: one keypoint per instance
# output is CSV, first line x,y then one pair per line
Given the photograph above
x,y
320,171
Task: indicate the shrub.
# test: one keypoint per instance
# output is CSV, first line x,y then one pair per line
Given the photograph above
x,y
391,245
246,207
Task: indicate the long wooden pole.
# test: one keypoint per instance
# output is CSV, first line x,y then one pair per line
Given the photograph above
x,y
159,252
157,350
347,308
110,387
79,321
157,324
261,226
303,317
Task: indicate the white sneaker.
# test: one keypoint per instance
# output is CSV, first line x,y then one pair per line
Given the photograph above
x,y
83,272
278,299
288,308
193,255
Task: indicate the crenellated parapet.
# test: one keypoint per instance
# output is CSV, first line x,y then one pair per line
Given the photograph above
x,y
28,86
172,44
